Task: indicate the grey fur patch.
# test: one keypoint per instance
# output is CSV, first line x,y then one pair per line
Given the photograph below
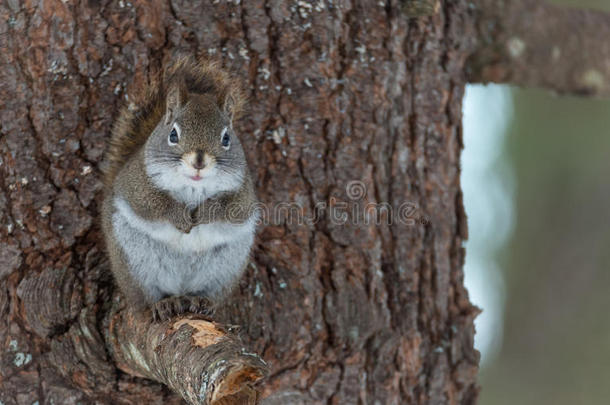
x,y
165,261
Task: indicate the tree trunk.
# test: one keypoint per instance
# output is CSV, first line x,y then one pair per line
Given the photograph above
x,y
354,109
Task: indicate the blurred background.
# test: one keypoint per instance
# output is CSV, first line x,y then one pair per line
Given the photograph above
x,y
537,194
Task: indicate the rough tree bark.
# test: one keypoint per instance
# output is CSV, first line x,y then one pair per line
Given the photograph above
x,y
341,91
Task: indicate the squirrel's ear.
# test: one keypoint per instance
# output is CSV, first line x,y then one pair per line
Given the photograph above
x,y
229,106
176,98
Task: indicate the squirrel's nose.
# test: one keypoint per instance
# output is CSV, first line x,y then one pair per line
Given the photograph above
x,y
198,163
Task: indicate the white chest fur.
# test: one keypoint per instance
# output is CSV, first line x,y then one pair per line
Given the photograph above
x,y
201,238
165,261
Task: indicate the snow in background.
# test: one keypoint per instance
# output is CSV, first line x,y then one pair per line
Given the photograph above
x,y
488,185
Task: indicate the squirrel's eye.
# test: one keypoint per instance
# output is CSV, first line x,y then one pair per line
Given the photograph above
x,y
173,137
225,139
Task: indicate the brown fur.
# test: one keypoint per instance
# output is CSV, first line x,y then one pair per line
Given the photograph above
x,y
125,175
137,120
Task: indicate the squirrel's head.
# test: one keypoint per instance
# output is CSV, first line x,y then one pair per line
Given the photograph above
x,y
194,147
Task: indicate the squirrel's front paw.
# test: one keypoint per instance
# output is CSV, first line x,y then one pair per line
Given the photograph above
x,y
170,307
184,226
181,221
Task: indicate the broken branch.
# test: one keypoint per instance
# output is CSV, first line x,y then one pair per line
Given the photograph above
x,y
196,358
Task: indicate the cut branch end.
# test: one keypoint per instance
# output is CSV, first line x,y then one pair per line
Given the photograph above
x,y
196,358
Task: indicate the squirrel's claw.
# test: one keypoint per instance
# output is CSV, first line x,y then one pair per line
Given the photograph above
x,y
162,311
200,306
170,307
